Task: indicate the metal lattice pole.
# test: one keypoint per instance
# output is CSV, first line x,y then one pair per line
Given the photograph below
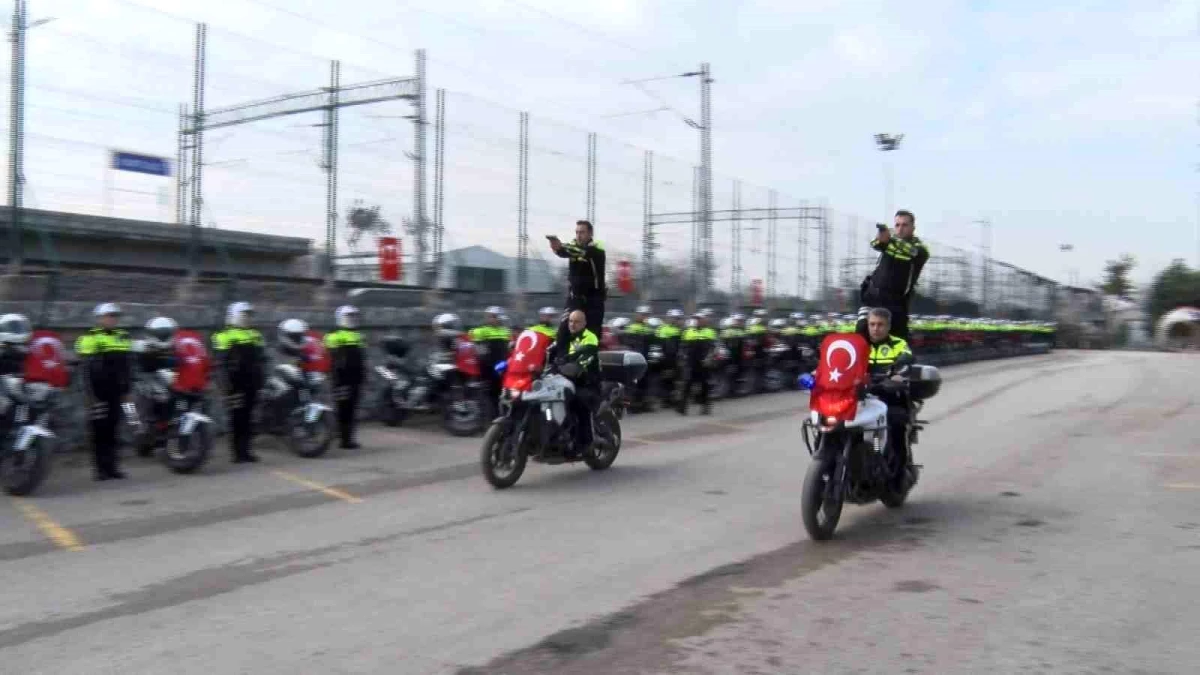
x,y
331,171
824,243
772,245
648,244
697,232
802,253
419,217
735,286
439,183
706,204
16,159
181,169
197,177
523,204
591,178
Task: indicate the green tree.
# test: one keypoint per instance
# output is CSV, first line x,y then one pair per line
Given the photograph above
x,y
1176,285
1116,276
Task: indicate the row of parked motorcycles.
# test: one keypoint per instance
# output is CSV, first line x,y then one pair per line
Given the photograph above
x,y
169,415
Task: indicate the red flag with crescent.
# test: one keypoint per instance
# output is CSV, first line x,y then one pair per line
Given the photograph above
x,y
46,360
192,362
526,360
465,357
843,366
317,358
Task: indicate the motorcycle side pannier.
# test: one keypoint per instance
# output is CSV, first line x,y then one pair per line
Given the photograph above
x,y
625,367
924,382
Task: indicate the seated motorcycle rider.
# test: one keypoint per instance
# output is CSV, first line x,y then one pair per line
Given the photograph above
x,y
154,352
887,353
582,351
15,333
447,329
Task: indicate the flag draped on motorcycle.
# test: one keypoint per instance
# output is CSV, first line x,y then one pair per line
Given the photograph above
x,y
192,362
317,357
46,361
526,360
842,367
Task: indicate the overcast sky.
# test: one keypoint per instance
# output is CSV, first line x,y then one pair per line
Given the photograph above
x,y
1068,122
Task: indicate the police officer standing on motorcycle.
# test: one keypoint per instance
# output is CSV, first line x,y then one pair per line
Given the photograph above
x,y
582,350
698,346
902,257
348,349
107,368
156,351
241,352
585,273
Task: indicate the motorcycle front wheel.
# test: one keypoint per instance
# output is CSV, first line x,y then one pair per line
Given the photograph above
x,y
820,515
502,460
22,472
186,453
310,439
464,413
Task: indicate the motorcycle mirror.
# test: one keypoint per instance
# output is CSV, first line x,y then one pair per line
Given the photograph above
x,y
502,366
805,381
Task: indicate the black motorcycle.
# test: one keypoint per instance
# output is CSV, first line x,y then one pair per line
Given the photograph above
x,y
26,439
185,436
454,390
536,423
291,409
864,459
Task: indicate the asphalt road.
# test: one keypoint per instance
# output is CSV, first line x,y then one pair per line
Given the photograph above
x,y
1056,528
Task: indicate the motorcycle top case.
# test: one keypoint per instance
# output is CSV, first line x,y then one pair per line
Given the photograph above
x,y
924,382
625,367
192,362
46,360
318,359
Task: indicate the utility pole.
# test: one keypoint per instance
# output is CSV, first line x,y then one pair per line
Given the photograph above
x,y
735,289
523,202
591,178
772,246
888,143
648,243
985,272
330,163
16,138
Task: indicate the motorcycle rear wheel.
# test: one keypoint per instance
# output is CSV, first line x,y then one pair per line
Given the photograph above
x,y
310,440
192,450
597,458
493,442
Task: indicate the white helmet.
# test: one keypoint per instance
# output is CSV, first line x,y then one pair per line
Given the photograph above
x,y
618,323
643,309
292,333
106,309
160,331
239,314
778,324
727,322
447,325
347,317
494,310
674,313
15,329
548,313
653,322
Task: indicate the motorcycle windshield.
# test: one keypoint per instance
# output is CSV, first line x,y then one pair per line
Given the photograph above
x,y
842,367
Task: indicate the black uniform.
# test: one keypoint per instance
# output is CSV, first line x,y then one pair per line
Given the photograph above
x,y
242,354
587,289
891,284
108,369
638,337
349,352
697,345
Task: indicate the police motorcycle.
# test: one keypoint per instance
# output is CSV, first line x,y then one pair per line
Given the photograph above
x,y
851,433
171,412
291,407
26,439
447,383
535,421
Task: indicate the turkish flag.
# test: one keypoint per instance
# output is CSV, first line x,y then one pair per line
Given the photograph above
x,y
843,366
46,360
526,360
317,358
756,292
389,259
465,357
625,276
192,362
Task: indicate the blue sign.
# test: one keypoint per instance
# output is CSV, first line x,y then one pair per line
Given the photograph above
x,y
128,161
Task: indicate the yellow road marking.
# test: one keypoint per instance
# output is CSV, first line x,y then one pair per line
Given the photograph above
x,y
61,536
312,485
727,425
1183,486
647,441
